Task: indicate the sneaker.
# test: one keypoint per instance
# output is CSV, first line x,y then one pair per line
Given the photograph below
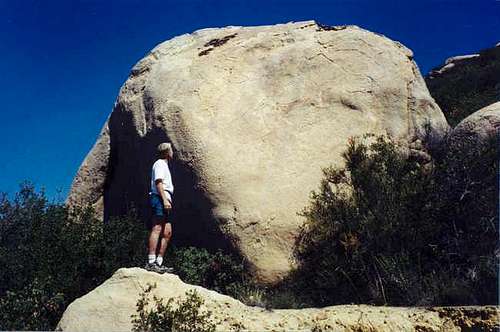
x,y
154,267
165,269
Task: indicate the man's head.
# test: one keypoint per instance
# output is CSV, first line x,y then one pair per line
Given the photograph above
x,y
165,151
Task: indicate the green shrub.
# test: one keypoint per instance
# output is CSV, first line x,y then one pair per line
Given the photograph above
x,y
381,230
249,293
35,307
51,256
183,316
466,201
217,271
48,254
225,273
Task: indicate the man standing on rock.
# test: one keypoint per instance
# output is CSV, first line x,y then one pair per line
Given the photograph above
x,y
162,190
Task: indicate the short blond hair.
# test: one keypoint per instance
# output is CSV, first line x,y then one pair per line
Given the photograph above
x,y
166,149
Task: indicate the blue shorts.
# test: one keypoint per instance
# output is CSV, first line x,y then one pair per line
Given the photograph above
x,y
157,206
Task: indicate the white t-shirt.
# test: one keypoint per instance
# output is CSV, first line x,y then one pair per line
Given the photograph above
x,y
161,171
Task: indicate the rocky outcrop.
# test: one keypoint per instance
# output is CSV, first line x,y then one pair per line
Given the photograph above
x,y
254,114
451,63
466,83
109,308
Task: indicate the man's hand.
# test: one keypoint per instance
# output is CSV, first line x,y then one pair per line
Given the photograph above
x,y
159,187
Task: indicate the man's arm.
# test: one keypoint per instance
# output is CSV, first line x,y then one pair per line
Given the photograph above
x,y
159,188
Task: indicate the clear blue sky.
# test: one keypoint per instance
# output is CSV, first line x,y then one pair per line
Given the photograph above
x,y
63,62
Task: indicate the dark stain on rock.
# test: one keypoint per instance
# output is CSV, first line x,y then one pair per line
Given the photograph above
x,y
324,27
205,52
306,26
216,42
350,104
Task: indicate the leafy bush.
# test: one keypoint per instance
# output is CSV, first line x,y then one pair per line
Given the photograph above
x,y
217,271
185,316
35,307
466,200
385,230
250,294
225,273
50,256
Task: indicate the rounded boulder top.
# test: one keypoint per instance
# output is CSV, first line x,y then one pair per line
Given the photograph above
x,y
254,114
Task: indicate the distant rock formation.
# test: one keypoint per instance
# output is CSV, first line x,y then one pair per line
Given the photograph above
x,y
466,83
450,63
254,114
109,308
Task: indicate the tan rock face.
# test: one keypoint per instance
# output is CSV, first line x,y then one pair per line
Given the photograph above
x,y
88,185
109,308
253,113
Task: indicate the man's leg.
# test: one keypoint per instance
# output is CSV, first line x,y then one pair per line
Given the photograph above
x,y
166,235
155,234
157,222
165,238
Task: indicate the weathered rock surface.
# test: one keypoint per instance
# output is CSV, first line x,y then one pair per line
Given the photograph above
x,y
253,113
109,308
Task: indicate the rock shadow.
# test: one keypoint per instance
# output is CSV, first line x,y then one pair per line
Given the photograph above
x,y
128,185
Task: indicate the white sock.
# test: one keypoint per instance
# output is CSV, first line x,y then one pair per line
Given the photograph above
x,y
159,260
151,258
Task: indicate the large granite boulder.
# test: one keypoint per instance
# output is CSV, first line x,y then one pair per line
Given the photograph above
x,y
109,308
476,130
254,114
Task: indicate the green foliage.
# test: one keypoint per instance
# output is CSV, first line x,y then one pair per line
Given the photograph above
x,y
35,307
225,273
385,230
217,271
466,200
50,256
185,316
469,86
250,294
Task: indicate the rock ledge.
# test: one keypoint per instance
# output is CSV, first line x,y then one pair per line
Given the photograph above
x,y
109,307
